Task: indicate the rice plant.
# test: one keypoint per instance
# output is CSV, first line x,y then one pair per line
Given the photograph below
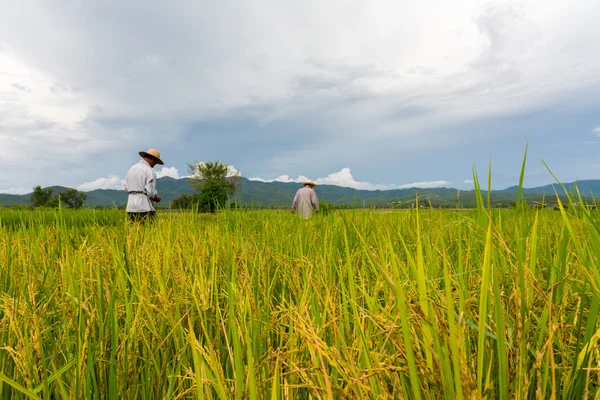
x,y
416,304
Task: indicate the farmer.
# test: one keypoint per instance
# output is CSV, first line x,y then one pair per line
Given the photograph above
x,y
140,183
306,200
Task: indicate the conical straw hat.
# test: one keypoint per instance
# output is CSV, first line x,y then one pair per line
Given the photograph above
x,y
152,153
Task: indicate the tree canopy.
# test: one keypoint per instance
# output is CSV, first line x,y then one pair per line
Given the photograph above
x,y
214,181
70,198
41,197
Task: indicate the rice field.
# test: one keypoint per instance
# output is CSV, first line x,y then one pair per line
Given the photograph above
x,y
415,304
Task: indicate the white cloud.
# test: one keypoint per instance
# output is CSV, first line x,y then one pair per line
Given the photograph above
x,y
16,190
424,184
596,130
112,182
39,117
231,171
499,50
171,172
116,183
468,181
99,88
37,91
281,178
344,178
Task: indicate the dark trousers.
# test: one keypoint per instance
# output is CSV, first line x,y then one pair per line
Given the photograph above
x,y
142,216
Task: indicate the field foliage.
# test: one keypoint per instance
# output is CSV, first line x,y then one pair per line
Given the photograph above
x,y
259,304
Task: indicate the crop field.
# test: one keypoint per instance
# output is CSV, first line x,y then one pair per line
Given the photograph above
x,y
415,304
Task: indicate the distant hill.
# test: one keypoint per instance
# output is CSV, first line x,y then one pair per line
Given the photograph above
x,y
586,188
276,194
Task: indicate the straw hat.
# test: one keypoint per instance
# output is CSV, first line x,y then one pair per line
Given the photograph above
x,y
309,183
152,153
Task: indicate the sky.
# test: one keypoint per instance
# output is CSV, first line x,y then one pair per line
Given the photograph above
x,y
366,94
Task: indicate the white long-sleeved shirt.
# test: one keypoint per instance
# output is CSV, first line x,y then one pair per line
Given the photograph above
x,y
140,183
305,201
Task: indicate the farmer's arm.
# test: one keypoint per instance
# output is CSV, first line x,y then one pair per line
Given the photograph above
x,y
151,187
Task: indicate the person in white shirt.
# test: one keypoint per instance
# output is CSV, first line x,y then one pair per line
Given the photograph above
x,y
140,183
306,200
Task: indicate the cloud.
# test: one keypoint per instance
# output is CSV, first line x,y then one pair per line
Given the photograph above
x,y
425,184
112,182
16,190
311,87
468,181
171,172
281,178
116,183
344,178
231,171
39,121
21,87
596,130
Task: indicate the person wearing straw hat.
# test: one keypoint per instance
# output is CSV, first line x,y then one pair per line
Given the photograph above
x,y
140,184
306,200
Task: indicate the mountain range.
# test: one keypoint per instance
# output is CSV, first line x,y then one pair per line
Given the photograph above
x,y
278,194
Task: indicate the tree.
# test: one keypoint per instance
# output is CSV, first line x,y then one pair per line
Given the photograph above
x,y
54,202
72,198
41,197
215,182
185,201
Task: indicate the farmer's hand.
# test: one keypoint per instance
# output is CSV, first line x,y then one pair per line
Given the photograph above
x,y
157,198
